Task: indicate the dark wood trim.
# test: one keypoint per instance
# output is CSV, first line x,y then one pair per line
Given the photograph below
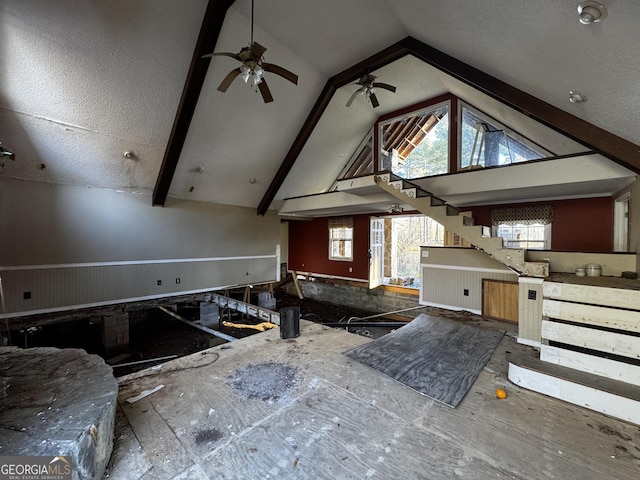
x,y
412,109
454,134
209,32
376,147
352,74
603,142
607,144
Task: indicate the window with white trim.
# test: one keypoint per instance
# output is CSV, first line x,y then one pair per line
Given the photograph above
x,y
524,227
341,238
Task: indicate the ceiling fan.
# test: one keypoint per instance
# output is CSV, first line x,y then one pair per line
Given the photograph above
x,y
368,87
253,67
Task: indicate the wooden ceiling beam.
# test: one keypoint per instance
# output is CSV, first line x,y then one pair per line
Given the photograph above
x,y
595,138
207,40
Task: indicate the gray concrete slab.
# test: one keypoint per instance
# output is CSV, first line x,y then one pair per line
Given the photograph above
x,y
57,402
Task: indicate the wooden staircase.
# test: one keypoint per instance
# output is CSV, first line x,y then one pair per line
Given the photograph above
x,y
448,216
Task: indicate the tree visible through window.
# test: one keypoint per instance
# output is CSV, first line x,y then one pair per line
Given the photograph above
x,y
341,238
533,237
524,227
417,145
408,234
486,143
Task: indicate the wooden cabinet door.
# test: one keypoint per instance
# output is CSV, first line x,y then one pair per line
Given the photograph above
x,y
500,299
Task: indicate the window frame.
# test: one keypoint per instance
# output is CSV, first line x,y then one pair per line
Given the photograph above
x,y
341,230
544,153
546,234
430,107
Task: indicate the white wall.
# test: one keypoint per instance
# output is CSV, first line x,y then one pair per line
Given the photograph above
x,y
74,246
452,277
634,222
613,264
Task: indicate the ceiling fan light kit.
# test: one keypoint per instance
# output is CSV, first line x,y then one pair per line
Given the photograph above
x,y
253,67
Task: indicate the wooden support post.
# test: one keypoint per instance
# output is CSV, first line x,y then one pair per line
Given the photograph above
x,y
227,311
294,274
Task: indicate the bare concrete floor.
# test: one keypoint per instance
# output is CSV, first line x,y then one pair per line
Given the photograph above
x,y
299,408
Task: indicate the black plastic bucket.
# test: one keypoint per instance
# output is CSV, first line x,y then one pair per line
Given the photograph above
x,y
290,322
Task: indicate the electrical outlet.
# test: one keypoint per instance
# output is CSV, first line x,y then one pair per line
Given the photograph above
x,y
159,282
178,280
531,295
350,269
26,296
466,292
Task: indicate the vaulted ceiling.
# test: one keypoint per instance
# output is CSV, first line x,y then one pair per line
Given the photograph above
x,y
81,82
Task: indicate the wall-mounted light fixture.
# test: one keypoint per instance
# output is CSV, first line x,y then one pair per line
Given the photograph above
x,y
5,154
591,12
576,97
197,170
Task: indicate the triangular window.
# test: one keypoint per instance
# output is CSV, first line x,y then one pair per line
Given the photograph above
x,y
484,142
417,145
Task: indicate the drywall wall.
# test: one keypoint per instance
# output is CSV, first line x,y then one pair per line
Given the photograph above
x,y
613,264
634,219
452,277
63,247
309,249
584,224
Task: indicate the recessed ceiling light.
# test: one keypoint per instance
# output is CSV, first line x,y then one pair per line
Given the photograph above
x,y
591,12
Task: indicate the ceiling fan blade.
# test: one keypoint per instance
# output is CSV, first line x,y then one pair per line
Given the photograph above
x,y
222,54
231,76
353,96
374,100
384,86
264,90
283,72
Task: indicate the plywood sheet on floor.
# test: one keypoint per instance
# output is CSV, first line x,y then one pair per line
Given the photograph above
x,y
436,356
341,419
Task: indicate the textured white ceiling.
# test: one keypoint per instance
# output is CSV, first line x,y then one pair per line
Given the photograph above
x,y
82,81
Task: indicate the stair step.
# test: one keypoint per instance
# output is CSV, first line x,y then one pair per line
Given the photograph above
x,y
611,397
450,217
536,269
452,211
472,233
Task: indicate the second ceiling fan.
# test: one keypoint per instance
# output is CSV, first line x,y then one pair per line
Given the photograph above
x,y
368,87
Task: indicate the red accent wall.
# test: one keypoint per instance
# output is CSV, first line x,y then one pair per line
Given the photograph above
x,y
309,248
584,225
